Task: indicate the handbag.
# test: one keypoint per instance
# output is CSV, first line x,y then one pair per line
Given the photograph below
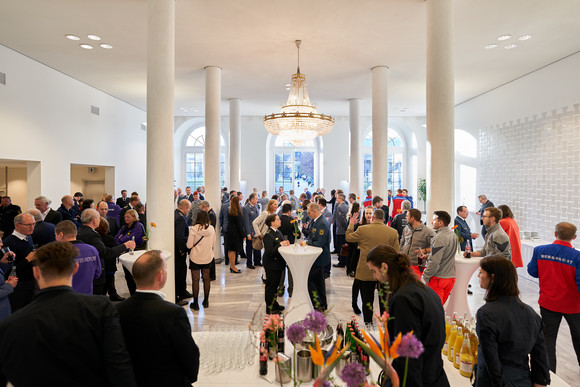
x,y
344,250
257,243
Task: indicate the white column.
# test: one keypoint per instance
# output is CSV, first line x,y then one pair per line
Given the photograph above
x,y
380,132
235,143
440,109
160,95
355,152
213,91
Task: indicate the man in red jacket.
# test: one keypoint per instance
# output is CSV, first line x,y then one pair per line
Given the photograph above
x,y
558,268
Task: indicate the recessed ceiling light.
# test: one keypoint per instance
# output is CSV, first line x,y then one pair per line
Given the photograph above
x,y
72,37
86,46
504,37
525,37
94,37
510,46
106,46
490,46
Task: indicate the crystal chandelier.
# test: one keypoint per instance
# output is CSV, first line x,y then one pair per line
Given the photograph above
x,y
299,121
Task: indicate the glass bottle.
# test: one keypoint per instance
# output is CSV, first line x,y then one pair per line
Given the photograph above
x,y
447,332
263,357
457,347
466,358
451,341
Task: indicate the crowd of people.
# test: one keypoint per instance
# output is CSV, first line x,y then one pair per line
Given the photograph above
x,y
386,246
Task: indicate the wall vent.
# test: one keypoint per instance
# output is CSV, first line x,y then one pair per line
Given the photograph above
x,y
2,79
95,110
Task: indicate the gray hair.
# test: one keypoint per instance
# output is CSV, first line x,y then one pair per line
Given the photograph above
x,y
43,199
35,214
406,205
204,203
88,215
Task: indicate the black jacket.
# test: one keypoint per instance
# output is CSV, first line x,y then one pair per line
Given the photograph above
x,y
272,258
63,338
158,337
91,237
181,233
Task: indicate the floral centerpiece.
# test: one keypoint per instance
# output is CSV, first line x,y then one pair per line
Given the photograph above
x,y
459,238
296,232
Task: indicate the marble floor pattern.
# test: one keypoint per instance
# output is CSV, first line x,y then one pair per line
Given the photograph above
x,y
238,299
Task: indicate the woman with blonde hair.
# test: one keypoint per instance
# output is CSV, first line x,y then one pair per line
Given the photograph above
x,y
200,240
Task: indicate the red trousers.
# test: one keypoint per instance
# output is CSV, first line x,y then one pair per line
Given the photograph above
x,y
442,286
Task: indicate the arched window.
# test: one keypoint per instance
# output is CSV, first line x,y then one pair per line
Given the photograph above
x,y
396,160
194,158
295,167
465,169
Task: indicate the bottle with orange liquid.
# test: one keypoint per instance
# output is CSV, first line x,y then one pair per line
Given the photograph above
x,y
466,362
451,347
457,347
447,332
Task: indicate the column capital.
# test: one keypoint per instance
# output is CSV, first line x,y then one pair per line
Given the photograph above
x,y
209,67
374,67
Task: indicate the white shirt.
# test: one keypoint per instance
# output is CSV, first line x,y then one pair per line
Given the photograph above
x,y
20,236
158,292
43,214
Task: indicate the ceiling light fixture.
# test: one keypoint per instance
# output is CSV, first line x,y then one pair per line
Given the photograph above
x,y
510,46
299,121
490,46
105,46
72,37
504,37
94,37
86,46
525,37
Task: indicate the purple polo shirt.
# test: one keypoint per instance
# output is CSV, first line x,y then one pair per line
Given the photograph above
x,y
89,268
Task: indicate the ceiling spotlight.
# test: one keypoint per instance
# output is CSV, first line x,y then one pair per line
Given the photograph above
x,y
106,46
504,37
525,37
94,37
86,46
509,46
72,37
490,46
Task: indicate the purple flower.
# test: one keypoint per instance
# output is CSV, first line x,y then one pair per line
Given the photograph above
x,y
315,322
326,383
410,346
295,333
353,374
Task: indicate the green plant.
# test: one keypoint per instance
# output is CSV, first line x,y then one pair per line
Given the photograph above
x,y
422,192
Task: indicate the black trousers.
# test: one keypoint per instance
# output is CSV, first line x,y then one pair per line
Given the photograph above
x,y
212,276
130,281
367,294
352,258
251,252
180,275
110,284
552,322
317,287
272,280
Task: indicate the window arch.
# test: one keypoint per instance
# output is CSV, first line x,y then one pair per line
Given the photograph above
x,y
295,167
194,151
397,157
465,169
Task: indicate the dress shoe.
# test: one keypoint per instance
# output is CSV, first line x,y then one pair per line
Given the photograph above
x,y
181,302
186,295
205,303
251,267
235,272
278,307
338,265
116,297
351,274
355,308
194,305
258,264
469,292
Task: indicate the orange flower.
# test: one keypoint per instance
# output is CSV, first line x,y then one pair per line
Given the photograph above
x,y
153,224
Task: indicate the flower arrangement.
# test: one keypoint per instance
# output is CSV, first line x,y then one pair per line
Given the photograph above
x,y
457,233
146,237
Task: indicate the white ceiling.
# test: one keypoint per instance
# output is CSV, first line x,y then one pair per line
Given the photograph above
x,y
253,42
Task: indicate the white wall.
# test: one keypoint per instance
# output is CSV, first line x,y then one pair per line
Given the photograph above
x,y
46,116
529,136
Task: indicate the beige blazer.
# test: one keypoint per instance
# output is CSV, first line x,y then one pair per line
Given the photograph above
x,y
368,237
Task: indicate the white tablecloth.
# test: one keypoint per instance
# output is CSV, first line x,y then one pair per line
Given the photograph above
x,y
299,261
129,259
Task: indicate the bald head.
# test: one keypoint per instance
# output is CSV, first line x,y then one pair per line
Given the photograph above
x,y
35,214
184,206
103,209
149,271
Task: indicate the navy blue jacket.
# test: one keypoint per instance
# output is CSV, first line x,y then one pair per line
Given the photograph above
x,y
43,233
319,236
465,232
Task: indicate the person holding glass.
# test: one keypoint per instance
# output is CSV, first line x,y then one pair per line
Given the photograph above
x,y
132,230
274,264
7,283
200,240
512,350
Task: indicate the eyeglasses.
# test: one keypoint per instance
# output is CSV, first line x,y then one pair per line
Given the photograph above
x,y
27,224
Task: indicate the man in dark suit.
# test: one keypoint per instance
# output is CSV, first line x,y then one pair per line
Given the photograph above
x,y
188,195
157,332
131,206
62,327
464,230
274,264
8,212
43,231
87,234
20,242
67,210
318,236
123,201
181,234
49,215
103,210
250,213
